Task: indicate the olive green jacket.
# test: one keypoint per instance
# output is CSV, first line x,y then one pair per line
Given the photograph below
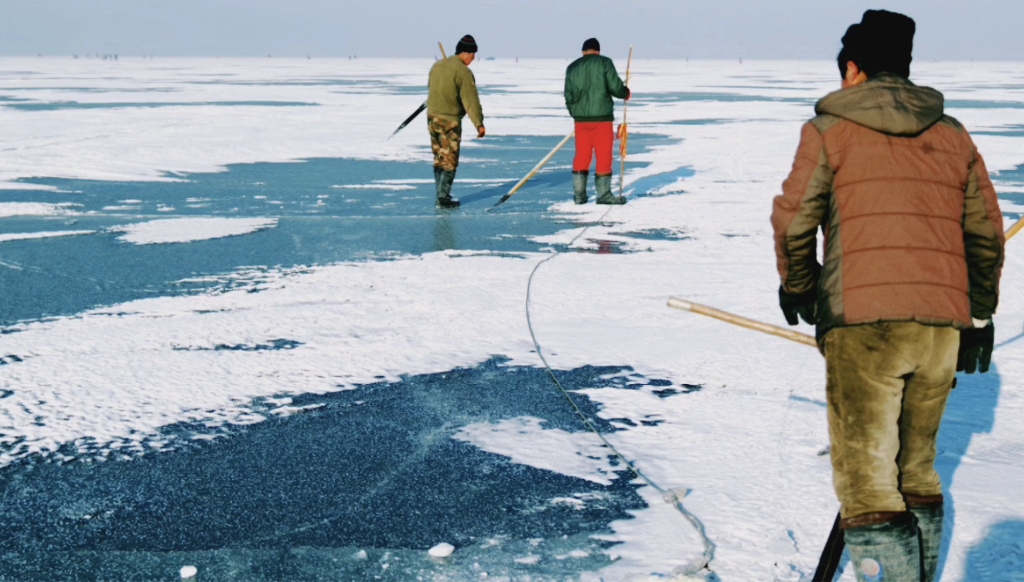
x,y
590,83
453,92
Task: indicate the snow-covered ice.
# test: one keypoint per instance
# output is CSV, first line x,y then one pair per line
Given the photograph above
x,y
32,235
105,381
183,230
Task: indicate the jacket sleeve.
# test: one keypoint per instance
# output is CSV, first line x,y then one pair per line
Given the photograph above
x,y
616,88
571,95
984,240
471,99
800,210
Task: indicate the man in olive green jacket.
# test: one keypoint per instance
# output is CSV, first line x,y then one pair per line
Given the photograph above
x,y
590,83
904,296
452,95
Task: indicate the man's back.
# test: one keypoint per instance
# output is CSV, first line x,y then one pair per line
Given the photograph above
x,y
912,225
590,83
452,91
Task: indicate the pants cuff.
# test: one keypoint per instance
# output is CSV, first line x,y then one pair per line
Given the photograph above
x,y
922,500
869,519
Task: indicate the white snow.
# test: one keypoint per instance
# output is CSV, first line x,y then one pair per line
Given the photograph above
x,y
394,187
527,442
47,234
183,230
442,550
745,446
8,209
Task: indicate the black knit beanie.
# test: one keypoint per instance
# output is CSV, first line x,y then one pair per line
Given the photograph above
x,y
883,42
467,44
591,44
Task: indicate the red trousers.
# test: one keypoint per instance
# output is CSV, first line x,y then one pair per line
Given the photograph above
x,y
594,137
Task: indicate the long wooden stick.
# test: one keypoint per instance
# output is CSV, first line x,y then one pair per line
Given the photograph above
x,y
419,110
1015,229
536,168
801,338
768,328
624,138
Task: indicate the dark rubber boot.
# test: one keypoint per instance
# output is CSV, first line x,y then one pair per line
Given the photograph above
x,y
886,552
579,186
444,181
604,191
929,524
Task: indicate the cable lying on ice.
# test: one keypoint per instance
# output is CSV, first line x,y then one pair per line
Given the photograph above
x,y
673,496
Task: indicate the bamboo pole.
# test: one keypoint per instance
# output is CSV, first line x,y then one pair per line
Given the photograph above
x,y
801,338
536,168
782,332
1015,229
624,137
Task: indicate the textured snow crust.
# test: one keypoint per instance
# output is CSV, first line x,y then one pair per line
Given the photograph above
x,y
101,384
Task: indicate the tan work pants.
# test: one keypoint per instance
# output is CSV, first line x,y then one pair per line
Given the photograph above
x,y
887,389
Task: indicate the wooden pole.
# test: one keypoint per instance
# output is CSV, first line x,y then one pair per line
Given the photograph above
x,y
1015,229
536,168
801,338
624,136
419,110
775,330
443,56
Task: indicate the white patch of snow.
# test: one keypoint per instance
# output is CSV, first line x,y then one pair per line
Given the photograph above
x,y
528,560
181,230
47,234
8,209
527,442
395,187
442,550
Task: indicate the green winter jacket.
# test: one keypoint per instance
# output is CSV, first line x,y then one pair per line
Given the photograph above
x,y
453,92
590,83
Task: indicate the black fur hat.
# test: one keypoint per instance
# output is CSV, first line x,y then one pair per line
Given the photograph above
x,y
883,42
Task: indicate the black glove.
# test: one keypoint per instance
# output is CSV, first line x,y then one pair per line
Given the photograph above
x,y
802,304
975,349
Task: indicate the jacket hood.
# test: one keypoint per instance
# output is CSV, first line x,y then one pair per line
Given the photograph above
x,y
888,104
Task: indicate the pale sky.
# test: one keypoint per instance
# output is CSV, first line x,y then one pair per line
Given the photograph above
x,y
751,29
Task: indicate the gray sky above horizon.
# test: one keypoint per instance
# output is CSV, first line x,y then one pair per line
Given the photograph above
x,y
751,29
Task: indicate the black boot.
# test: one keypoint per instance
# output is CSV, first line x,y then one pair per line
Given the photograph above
x,y
604,191
579,186
886,552
444,180
929,525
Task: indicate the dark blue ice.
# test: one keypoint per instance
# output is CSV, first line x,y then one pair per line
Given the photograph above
x,y
64,276
373,469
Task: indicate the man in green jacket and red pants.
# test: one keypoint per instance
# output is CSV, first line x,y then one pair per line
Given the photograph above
x,y
904,296
590,83
452,95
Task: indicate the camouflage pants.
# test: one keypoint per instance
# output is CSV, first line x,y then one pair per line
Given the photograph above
x,y
445,137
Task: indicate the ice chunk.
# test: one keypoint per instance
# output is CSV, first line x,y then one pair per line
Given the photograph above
x,y
442,550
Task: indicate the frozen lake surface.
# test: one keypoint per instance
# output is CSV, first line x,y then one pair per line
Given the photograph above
x,y
236,334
